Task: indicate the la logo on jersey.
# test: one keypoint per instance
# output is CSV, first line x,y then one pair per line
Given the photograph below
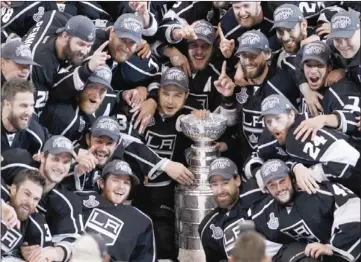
x,y
217,232
273,222
300,231
231,233
9,238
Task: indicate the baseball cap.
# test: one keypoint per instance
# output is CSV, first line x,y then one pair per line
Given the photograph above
x,y
120,167
287,16
106,126
318,51
273,168
252,41
102,75
18,52
59,144
129,26
275,105
344,24
89,247
175,76
79,26
205,31
223,167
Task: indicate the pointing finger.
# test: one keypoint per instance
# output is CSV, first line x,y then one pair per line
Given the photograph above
x,y
224,67
100,48
220,31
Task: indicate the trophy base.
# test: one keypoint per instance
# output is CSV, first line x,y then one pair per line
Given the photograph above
x,y
191,255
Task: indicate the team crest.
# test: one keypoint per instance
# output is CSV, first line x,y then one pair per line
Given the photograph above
x,y
39,14
281,152
91,202
217,232
242,96
273,222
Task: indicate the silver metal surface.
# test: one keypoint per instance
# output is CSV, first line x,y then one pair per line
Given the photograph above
x,y
193,203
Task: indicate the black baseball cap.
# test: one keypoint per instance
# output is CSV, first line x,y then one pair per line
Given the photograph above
x,y
129,26
121,168
18,52
79,26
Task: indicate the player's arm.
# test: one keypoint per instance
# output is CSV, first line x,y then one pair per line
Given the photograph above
x,y
145,251
345,235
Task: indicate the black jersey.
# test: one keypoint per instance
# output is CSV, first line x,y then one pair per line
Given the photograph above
x,y
128,232
333,220
219,230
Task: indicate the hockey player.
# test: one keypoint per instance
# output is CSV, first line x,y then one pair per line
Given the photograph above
x,y
128,232
15,61
20,129
328,228
219,230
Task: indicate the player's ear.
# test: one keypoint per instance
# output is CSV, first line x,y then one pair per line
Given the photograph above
x,y
238,180
304,27
101,183
42,157
13,189
267,54
87,139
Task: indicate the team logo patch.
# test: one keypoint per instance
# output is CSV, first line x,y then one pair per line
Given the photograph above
x,y
91,202
230,236
242,96
270,167
253,139
62,142
203,29
107,123
283,13
340,22
300,231
250,39
273,222
39,14
217,232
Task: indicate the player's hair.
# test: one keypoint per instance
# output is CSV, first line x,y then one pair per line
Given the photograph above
x,y
14,86
250,247
31,175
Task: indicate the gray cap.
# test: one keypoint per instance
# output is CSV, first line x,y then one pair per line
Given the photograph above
x,y
273,168
120,167
102,75
205,31
106,126
287,16
275,105
79,26
129,26
344,24
223,167
18,52
59,144
252,41
175,76
89,247
318,51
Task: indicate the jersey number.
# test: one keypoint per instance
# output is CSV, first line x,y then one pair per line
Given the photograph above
x,y
311,148
6,14
341,190
47,233
41,99
122,120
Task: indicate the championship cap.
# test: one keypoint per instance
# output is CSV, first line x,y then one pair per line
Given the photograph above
x,y
129,26
18,52
287,16
318,51
344,24
175,76
205,31
102,75
79,26
252,41
223,167
59,144
122,168
106,126
275,105
273,168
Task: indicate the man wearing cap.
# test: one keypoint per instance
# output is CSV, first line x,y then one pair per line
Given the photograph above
x,y
327,155
286,217
15,61
127,232
219,229
59,206
254,52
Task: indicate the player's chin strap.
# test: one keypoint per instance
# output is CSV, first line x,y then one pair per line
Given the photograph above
x,y
251,165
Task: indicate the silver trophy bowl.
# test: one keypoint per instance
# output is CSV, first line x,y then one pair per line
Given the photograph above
x,y
203,131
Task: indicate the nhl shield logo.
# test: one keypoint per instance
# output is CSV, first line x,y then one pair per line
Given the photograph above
x,y
242,96
273,222
217,232
91,202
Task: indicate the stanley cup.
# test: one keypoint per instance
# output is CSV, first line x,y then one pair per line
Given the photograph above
x,y
193,203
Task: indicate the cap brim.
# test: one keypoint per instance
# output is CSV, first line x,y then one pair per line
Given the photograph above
x,y
175,83
273,112
202,37
248,49
316,58
60,30
129,35
58,151
98,80
107,133
273,176
25,62
342,34
284,24
224,175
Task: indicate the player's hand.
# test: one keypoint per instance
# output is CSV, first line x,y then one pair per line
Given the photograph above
x,y
6,4
139,6
324,30
186,32
312,99
358,124
179,173
144,113
310,39
31,253
221,146
178,59
99,57
305,179
144,50
135,96
334,76
315,250
224,84
309,126
8,216
226,46
200,113
86,161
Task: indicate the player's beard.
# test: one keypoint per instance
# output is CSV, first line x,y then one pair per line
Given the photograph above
x,y
16,121
75,58
201,63
295,46
226,203
291,192
255,73
21,213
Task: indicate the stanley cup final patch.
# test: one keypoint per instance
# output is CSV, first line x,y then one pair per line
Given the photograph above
x,y
242,96
273,222
217,232
91,202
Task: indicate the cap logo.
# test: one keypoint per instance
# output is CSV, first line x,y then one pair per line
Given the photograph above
x,y
62,143
270,103
23,50
314,49
174,75
109,124
90,37
203,29
132,25
220,164
283,13
104,74
341,22
270,167
250,39
121,166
